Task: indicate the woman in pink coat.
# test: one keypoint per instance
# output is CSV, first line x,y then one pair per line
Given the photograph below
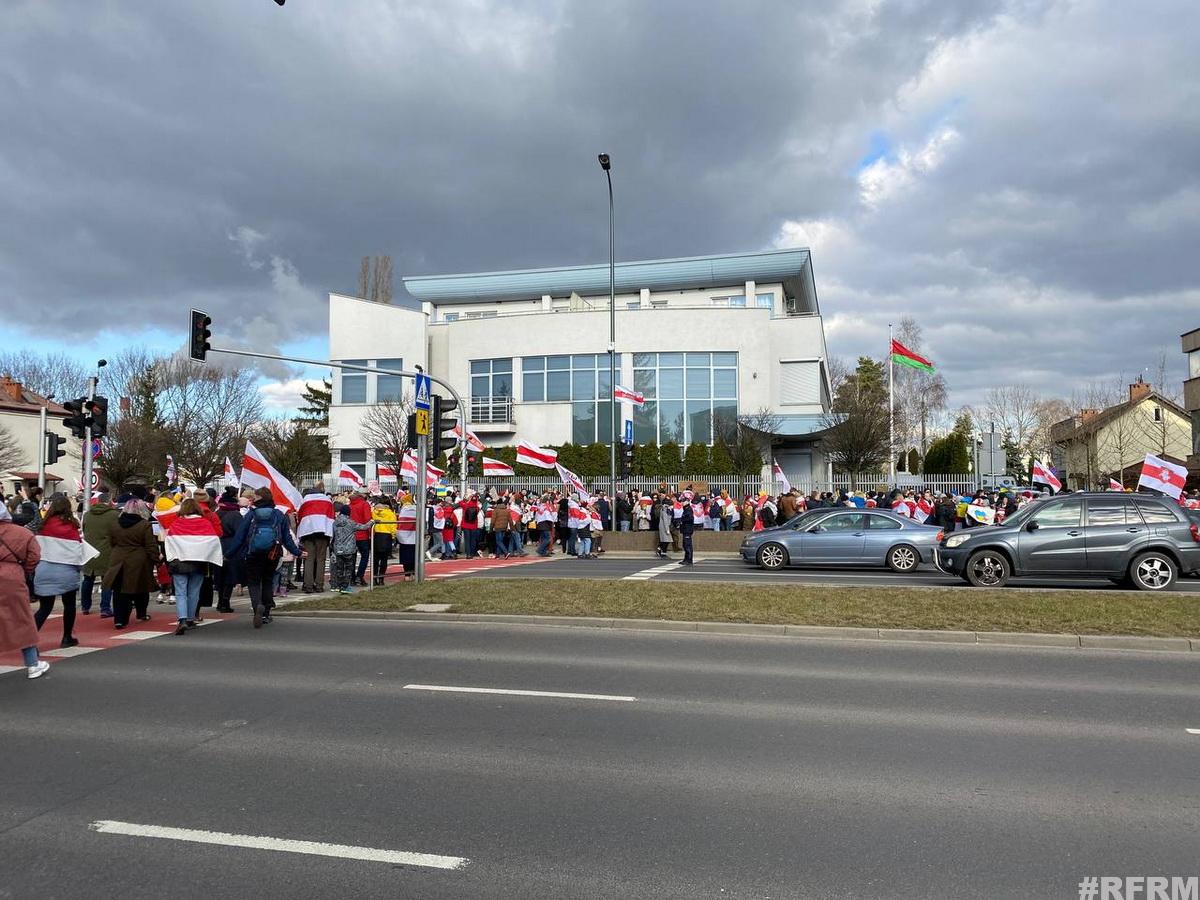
x,y
19,556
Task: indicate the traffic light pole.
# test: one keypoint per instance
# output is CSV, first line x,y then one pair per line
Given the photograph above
x,y
419,494
87,444
45,450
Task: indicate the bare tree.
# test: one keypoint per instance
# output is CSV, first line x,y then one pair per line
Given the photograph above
x,y
1164,383
384,427
837,370
292,447
207,413
364,278
50,373
919,396
375,279
1048,413
857,435
1013,410
11,454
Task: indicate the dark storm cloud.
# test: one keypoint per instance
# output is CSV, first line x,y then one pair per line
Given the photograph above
x,y
242,157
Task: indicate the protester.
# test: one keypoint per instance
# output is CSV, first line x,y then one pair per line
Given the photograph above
x,y
263,534
344,546
385,536
406,534
471,512
229,514
19,557
501,519
664,527
360,512
583,533
687,524
132,563
192,544
63,554
98,522
314,528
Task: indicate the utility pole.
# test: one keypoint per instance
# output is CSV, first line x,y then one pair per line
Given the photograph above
x,y
93,382
419,492
45,448
606,165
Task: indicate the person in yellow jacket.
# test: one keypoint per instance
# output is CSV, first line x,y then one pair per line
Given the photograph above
x,y
384,516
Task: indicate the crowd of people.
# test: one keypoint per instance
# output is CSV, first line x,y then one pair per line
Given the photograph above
x,y
195,548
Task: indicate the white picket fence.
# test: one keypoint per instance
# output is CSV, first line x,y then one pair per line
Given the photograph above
x,y
731,483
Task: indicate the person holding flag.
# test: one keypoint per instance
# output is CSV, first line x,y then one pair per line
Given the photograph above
x,y
192,545
314,530
262,534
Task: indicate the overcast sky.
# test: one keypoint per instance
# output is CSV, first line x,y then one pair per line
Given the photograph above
x,y
1019,175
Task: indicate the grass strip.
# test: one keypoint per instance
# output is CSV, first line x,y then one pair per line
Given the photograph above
x,y
1173,614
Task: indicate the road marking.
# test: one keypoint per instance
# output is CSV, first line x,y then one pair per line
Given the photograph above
x,y
646,574
140,635
282,845
1192,730
4,670
477,690
66,652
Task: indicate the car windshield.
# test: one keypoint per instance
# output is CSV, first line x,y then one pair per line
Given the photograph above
x,y
797,520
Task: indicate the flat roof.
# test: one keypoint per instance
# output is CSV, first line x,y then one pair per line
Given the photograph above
x,y
791,267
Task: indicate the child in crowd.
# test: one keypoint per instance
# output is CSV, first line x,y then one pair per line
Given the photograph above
x,y
343,547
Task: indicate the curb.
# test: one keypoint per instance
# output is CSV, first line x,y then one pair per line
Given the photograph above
x,y
906,635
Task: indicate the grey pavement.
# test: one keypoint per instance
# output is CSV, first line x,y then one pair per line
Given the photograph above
x,y
745,767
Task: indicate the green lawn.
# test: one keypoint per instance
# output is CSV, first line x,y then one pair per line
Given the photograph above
x,y
1173,614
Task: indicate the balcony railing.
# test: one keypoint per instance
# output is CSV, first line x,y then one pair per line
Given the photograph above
x,y
491,410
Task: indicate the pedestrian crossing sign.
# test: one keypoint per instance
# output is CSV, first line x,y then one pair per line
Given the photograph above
x,y
422,421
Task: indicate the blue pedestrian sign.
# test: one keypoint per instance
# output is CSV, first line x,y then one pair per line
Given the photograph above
x,y
629,432
424,389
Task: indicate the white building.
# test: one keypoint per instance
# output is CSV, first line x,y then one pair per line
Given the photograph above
x,y
20,418
706,339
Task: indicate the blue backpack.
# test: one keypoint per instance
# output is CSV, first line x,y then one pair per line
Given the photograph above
x,y
264,536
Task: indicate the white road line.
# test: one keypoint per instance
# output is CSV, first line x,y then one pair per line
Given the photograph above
x,y
65,652
283,845
477,690
4,670
140,635
1192,730
646,574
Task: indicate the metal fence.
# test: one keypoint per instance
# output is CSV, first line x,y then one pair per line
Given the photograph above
x,y
735,485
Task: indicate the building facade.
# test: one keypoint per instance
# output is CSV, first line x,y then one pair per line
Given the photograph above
x,y
707,340
20,419
1191,397
1098,444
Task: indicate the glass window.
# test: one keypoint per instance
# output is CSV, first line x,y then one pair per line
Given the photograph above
x,y
1155,512
670,359
725,420
724,383
1105,511
658,304
670,421
844,522
481,386
502,384
764,301
583,385
738,302
604,422
491,379
450,317
645,360
502,365
558,385
633,304
389,387
670,383
1067,513
699,359
583,361
558,362
481,367
699,383
583,423
354,384
644,382
1194,364
534,363
645,423
724,359
533,387
882,523
699,421
356,460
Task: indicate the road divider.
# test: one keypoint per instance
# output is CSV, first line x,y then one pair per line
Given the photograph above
x,y
279,845
565,695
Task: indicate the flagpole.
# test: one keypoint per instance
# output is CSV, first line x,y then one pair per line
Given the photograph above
x,y
891,413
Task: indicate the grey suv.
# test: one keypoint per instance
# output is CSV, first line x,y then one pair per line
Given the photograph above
x,y
1137,540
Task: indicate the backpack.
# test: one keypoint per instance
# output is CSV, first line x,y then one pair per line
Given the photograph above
x,y
264,535
471,513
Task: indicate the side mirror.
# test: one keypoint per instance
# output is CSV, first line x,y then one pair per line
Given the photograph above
x,y
1032,526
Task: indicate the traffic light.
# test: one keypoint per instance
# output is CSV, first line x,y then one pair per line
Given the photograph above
x,y
98,407
410,434
54,450
200,335
78,420
625,459
439,408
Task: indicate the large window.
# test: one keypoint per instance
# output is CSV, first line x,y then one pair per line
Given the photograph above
x,y
356,460
689,396
491,390
591,395
545,378
367,387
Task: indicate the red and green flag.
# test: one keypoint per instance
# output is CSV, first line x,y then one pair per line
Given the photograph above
x,y
905,357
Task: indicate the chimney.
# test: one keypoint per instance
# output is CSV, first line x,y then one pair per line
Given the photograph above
x,y
1086,415
1139,390
12,389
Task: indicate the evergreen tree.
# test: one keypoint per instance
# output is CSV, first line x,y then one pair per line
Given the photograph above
x,y
696,459
858,439
669,460
314,411
914,461
721,463
948,456
646,459
594,461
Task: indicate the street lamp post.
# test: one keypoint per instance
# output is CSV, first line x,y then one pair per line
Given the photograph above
x,y
606,165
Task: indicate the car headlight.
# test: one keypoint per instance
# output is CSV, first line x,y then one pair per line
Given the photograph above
x,y
956,540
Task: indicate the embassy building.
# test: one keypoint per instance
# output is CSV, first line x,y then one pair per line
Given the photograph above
x,y
707,340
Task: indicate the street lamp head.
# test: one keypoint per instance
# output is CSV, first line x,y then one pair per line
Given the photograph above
x,y
605,163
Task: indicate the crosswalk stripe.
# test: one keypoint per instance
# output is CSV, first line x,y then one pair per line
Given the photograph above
x,y
646,574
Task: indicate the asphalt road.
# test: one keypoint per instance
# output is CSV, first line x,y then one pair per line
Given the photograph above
x,y
726,766
729,569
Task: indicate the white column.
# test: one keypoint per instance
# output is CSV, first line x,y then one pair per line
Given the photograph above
x,y
547,303
644,297
750,293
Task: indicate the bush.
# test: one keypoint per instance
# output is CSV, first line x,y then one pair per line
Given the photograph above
x,y
696,459
669,460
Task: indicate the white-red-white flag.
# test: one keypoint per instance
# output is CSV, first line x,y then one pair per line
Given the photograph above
x,y
315,516
572,481
231,477
1160,475
383,470
496,467
533,455
347,475
258,472
1114,485
1043,474
408,470
473,440
779,475
628,395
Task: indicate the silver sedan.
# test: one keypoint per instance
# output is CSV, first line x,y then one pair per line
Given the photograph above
x,y
844,537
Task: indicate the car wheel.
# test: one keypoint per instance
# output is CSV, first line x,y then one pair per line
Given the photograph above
x,y
772,556
1153,571
988,568
903,559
